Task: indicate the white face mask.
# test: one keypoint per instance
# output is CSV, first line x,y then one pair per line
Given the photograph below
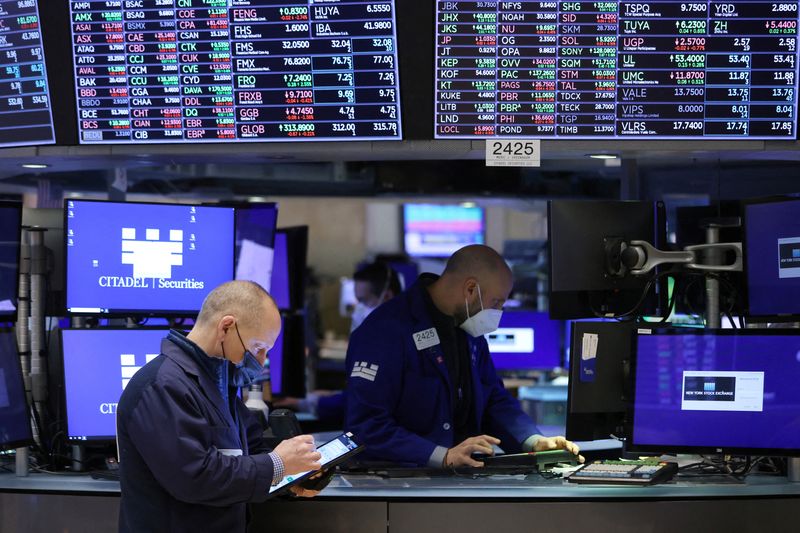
x,y
362,310
483,322
360,313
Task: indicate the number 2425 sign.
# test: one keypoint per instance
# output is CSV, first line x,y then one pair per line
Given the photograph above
x,y
511,153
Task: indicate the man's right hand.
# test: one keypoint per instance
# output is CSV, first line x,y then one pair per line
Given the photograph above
x,y
298,455
461,454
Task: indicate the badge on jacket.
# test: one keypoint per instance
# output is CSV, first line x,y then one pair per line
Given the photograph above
x,y
426,339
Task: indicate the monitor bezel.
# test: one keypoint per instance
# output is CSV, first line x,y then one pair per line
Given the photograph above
x,y
138,313
748,314
94,439
6,204
21,443
676,449
439,257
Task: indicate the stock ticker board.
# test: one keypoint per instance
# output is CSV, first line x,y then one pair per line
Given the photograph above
x,y
235,70
616,69
25,115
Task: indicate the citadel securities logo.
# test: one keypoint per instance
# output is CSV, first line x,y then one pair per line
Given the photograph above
x,y
152,260
128,368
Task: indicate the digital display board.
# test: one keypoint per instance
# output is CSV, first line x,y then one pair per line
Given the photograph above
x,y
235,70
25,115
616,69
431,230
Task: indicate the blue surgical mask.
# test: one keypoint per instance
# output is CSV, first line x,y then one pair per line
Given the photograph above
x,y
248,369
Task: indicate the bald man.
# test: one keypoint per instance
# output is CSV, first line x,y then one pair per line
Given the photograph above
x,y
422,389
191,455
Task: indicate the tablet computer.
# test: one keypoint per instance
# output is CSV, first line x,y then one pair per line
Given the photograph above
x,y
333,452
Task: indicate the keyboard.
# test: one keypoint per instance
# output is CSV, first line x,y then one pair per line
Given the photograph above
x,y
643,472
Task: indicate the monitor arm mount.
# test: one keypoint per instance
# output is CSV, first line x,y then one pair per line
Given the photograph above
x,y
638,258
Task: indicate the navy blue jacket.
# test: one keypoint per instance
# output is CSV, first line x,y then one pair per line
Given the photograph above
x,y
399,397
172,423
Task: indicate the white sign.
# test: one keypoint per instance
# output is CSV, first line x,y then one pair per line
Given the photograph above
x,y
513,153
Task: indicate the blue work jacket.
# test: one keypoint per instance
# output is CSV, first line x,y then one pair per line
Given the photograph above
x,y
177,446
399,390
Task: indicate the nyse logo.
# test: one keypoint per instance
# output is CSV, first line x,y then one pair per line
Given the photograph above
x,y
152,257
129,367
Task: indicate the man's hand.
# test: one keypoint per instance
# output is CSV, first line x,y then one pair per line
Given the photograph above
x,y
286,403
299,455
300,492
461,454
546,444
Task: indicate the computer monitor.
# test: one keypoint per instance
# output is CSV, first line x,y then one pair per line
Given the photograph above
x,y
431,230
287,285
15,422
98,363
526,340
717,391
772,259
255,242
599,373
10,232
139,259
581,237
287,359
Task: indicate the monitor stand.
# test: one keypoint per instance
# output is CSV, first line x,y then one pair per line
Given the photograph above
x,y
793,469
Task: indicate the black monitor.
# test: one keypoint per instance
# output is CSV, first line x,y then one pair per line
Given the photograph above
x,y
582,235
98,363
717,391
10,232
288,282
287,359
144,259
772,259
15,422
599,370
255,242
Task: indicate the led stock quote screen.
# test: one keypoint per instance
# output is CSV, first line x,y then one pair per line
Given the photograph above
x,y
235,70
25,116
660,69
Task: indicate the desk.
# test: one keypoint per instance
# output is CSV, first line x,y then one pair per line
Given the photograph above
x,y
501,503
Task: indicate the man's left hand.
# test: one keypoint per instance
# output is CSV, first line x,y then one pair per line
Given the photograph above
x,y
300,492
546,444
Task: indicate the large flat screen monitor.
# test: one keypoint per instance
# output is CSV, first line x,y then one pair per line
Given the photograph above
x,y
526,340
235,71
25,114
255,242
10,232
772,259
287,285
616,70
581,234
431,230
287,358
15,422
131,259
720,391
98,363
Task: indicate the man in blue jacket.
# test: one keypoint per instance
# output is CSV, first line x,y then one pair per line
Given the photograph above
x,y
422,389
191,455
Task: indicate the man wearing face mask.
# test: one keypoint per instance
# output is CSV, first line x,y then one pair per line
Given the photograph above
x,y
422,389
191,454
375,284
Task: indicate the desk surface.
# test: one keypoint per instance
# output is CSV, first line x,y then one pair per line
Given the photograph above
x,y
360,487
